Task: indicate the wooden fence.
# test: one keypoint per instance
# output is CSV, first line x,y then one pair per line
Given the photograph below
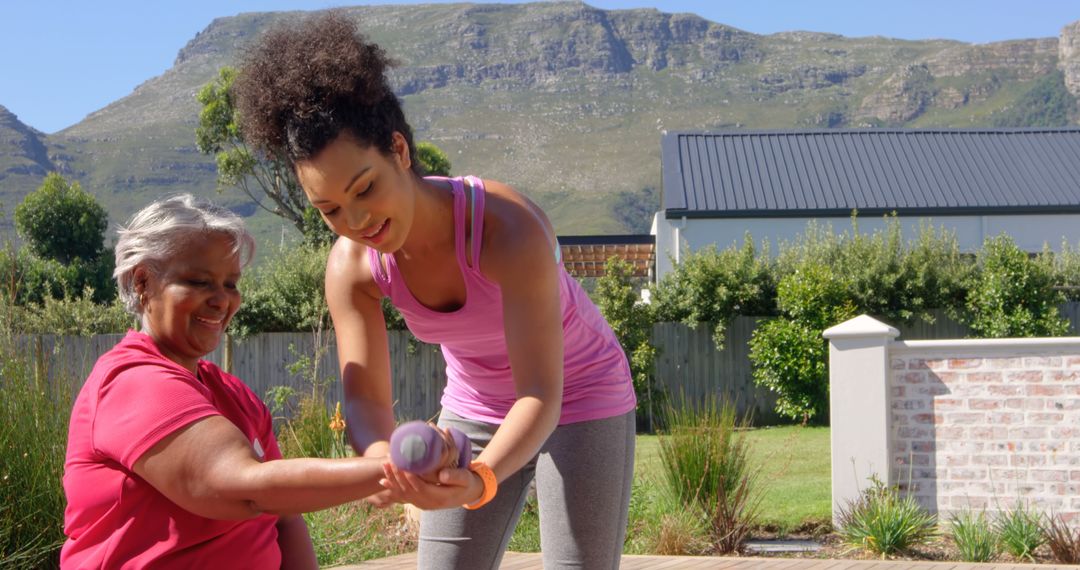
x,y
688,365
300,361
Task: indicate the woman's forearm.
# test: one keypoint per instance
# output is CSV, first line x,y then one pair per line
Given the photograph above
x,y
290,486
527,426
369,425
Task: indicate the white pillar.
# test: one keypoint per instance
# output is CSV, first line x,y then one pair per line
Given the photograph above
x,y
859,412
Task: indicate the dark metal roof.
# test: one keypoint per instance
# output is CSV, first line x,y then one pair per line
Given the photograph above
x,y
832,172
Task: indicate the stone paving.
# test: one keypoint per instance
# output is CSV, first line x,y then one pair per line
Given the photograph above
x,y
519,561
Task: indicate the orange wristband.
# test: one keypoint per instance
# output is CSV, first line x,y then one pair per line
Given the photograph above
x,y
491,484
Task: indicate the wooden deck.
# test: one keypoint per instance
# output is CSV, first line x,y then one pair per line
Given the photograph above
x,y
518,561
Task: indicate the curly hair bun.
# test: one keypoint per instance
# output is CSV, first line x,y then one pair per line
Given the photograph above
x,y
305,81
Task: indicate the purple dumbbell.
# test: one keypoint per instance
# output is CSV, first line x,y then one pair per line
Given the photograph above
x,y
418,448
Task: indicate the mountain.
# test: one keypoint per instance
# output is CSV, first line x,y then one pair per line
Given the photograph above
x,y
24,160
565,101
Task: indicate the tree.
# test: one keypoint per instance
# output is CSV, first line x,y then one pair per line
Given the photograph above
x,y
634,210
1047,104
789,354
60,221
64,229
433,161
269,181
1012,294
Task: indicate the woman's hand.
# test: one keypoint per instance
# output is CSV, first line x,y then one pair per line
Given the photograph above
x,y
381,499
455,487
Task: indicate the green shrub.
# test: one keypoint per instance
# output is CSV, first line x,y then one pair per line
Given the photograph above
x,y
790,359
309,429
659,524
882,522
713,287
935,276
33,434
650,397
820,280
316,232
29,279
816,295
974,536
1064,543
1066,267
75,315
705,464
632,322
285,294
1020,531
1012,295
789,354
884,276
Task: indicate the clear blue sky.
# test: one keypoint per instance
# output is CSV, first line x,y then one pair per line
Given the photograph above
x,y
63,59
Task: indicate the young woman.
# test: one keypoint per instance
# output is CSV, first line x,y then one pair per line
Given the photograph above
x,y
535,376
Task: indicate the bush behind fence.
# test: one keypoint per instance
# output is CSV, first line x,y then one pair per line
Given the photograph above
x,y
688,364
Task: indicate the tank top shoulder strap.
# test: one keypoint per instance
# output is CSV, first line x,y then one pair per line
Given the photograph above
x,y
457,185
476,192
476,189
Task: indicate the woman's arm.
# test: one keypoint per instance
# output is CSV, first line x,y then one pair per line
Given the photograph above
x,y
363,352
297,551
209,468
518,254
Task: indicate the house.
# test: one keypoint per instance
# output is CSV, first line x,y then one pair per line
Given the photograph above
x,y
717,186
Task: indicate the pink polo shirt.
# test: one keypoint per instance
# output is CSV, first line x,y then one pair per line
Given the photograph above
x,y
133,399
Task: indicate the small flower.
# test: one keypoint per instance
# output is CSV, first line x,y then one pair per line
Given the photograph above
x,y
337,423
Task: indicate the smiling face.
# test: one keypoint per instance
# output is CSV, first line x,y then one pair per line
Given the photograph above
x,y
362,193
191,300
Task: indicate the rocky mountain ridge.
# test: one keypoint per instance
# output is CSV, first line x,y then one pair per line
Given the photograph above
x,y
562,100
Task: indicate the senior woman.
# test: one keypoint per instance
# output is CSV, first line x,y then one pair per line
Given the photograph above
x,y
171,462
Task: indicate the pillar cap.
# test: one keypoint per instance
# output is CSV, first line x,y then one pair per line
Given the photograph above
x,y
862,326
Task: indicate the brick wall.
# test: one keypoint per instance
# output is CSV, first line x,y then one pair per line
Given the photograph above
x,y
982,424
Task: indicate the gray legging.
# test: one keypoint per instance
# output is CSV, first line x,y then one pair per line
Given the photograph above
x,y
583,476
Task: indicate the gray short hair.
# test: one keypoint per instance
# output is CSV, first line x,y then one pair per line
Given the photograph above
x,y
158,231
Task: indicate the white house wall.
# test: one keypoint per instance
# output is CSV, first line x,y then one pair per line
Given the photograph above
x,y
1030,232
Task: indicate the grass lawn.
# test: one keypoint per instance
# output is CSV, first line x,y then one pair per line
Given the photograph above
x,y
795,478
795,484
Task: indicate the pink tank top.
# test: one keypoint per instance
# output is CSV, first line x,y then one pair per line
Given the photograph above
x,y
479,386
